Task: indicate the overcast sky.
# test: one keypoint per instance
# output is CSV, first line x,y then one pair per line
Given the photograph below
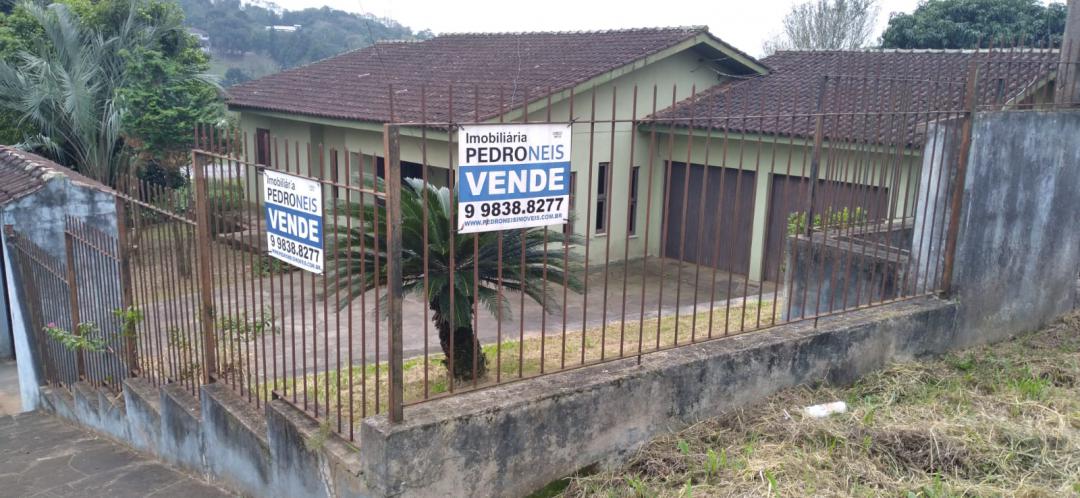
x,y
743,23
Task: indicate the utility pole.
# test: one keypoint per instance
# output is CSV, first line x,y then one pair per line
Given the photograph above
x,y
1068,77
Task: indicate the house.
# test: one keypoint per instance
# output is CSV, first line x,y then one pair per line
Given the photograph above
x,y
284,28
343,102
704,87
918,83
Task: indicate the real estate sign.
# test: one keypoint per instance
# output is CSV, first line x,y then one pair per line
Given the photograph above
x,y
294,220
513,176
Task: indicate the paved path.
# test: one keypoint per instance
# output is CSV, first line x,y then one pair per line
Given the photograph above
x,y
10,400
42,456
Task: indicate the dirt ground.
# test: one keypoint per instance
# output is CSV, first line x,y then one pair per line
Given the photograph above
x,y
994,421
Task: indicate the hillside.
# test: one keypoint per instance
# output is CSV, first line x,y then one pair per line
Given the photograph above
x,y
255,39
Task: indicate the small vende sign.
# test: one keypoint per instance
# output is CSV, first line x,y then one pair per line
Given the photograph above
x,y
294,220
513,176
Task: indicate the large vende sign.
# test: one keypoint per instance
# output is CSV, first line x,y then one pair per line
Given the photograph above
x,y
294,220
513,176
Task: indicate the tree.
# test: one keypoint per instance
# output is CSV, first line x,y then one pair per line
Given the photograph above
x,y
100,85
826,25
357,244
234,76
940,24
66,89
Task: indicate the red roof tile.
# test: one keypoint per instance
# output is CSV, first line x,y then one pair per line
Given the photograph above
x,y
23,173
355,85
871,81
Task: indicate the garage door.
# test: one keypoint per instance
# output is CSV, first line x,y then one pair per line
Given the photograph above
x,y
729,216
789,195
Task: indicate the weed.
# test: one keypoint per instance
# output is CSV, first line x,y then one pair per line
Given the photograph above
x,y
995,421
245,328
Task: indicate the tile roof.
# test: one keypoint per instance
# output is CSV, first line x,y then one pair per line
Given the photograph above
x,y
23,173
867,81
355,85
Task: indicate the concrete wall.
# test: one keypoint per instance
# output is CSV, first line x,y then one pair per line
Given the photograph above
x,y
829,274
41,217
271,451
1018,250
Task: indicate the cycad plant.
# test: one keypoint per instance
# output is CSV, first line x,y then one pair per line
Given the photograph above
x,y
356,244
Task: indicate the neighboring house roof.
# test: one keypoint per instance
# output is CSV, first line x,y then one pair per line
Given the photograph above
x,y
864,81
23,173
355,85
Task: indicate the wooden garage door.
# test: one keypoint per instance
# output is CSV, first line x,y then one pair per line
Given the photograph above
x,y
788,194
729,214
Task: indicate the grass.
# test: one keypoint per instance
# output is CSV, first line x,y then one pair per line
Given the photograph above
x,y
514,359
994,421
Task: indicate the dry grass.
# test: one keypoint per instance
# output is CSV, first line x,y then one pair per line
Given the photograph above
x,y
995,421
513,359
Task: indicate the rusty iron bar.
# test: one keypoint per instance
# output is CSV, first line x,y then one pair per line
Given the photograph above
x,y
956,201
392,146
202,254
815,160
73,302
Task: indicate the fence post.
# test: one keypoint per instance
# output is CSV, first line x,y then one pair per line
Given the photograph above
x,y
392,149
1068,77
123,256
815,159
956,200
202,253
73,300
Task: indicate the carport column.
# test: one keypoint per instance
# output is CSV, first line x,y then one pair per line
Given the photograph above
x,y
760,230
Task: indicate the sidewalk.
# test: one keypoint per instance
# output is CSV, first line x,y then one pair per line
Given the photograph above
x,y
42,456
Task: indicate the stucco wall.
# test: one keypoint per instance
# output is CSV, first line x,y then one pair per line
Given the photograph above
x,y
41,218
1018,250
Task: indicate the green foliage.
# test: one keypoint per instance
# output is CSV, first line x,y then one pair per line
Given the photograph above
x,y
243,327
963,23
844,218
238,30
266,266
98,85
130,318
85,338
166,98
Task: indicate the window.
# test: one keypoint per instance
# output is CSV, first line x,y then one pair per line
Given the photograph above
x,y
601,198
631,220
568,228
262,146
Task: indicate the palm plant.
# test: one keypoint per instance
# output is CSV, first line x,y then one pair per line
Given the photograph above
x,y
357,244
67,86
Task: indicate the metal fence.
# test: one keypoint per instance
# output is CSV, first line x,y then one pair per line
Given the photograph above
x,y
77,298
711,219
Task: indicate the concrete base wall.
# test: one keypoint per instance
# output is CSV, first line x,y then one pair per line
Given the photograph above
x,y
513,439
276,452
